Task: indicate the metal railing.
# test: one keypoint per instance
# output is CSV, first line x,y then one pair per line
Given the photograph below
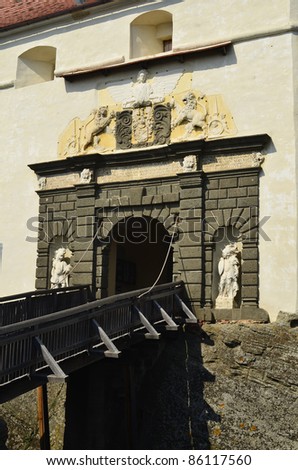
x,y
28,346
34,304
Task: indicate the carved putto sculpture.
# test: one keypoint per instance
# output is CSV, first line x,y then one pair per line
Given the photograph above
x,y
228,269
60,270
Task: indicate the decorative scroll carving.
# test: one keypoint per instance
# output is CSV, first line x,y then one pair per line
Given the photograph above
x,y
60,269
228,269
162,124
124,129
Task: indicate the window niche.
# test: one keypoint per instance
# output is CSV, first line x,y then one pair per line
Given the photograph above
x,y
151,33
36,65
227,261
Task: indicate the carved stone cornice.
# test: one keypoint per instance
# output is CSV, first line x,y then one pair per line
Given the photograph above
x,y
251,143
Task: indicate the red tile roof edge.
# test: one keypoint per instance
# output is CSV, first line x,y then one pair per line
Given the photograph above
x,y
37,15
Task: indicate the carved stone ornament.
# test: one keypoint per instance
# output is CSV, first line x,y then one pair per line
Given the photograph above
x,y
60,268
124,129
102,119
148,110
86,176
198,116
42,182
189,163
228,269
142,125
143,92
258,159
193,114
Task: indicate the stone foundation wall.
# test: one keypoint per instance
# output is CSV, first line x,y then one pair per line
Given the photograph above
x,y
255,386
233,385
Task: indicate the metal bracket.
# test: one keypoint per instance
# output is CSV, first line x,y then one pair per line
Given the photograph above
x,y
59,375
113,351
152,333
191,318
171,325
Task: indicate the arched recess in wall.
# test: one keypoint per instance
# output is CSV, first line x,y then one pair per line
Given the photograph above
x,y
151,33
36,65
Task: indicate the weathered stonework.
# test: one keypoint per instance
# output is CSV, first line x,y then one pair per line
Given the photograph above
x,y
172,187
233,385
255,369
147,112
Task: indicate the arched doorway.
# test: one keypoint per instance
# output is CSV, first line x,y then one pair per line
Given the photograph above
x,y
139,253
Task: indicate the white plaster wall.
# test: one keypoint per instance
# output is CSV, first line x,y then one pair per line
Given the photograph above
x,y
255,79
105,35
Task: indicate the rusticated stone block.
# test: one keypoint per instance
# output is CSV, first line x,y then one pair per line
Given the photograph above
x,y
173,197
209,205
248,201
228,182
212,184
227,203
250,253
190,193
85,201
60,198
249,279
250,266
249,180
238,192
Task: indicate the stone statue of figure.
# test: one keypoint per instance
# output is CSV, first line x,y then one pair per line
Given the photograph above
x,y
60,270
142,93
228,269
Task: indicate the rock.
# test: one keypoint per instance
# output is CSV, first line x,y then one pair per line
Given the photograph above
x,y
287,319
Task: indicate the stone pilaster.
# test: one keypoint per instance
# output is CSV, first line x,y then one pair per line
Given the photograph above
x,y
190,242
84,252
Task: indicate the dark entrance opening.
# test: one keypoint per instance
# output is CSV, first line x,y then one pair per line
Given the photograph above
x,y
140,253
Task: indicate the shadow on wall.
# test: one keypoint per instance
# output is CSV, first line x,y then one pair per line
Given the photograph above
x,y
172,411
3,434
151,398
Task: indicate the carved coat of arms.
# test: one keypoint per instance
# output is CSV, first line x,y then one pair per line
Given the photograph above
x,y
145,112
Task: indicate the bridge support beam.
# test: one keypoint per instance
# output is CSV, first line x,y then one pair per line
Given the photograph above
x,y
58,374
191,318
112,350
43,417
171,325
152,333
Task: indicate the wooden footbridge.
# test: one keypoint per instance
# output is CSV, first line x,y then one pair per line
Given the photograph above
x,y
46,335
